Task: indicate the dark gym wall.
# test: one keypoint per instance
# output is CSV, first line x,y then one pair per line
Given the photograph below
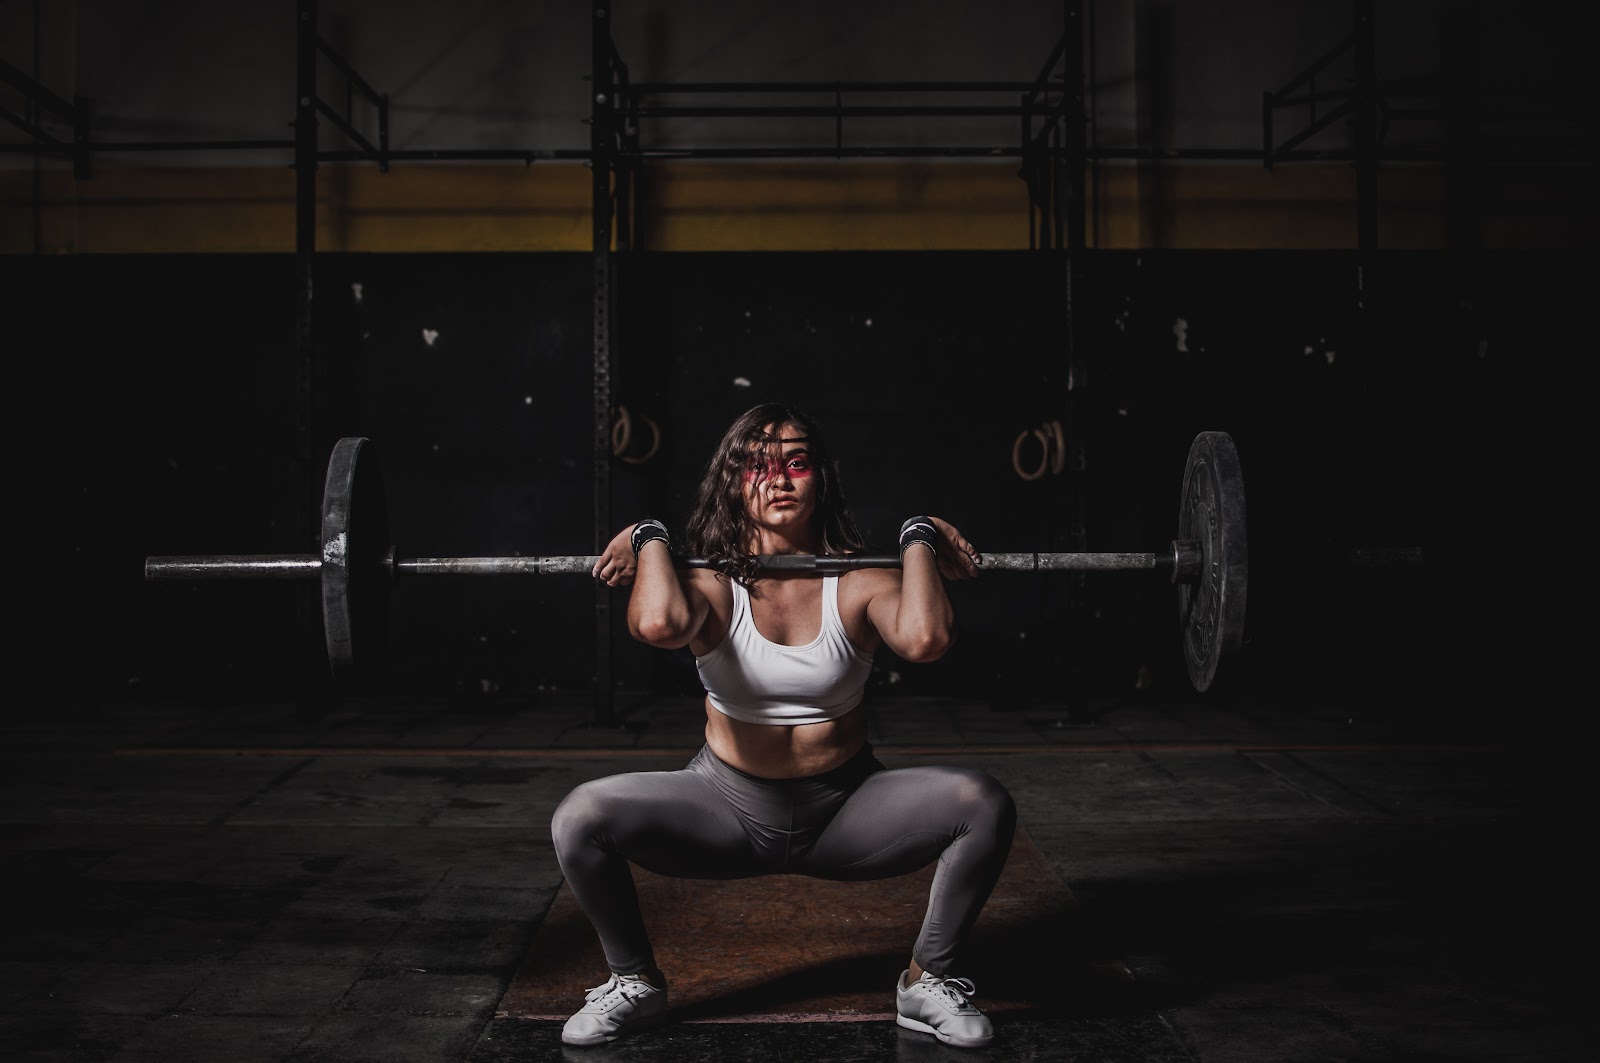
x,y
1420,397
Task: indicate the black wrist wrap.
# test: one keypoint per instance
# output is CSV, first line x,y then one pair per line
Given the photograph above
x,y
646,530
919,530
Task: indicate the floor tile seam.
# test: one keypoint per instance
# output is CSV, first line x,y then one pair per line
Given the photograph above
x,y
1305,765
1179,1037
278,780
335,1009
1369,1039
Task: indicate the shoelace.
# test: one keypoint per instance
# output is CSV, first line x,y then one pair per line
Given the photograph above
x,y
614,984
954,990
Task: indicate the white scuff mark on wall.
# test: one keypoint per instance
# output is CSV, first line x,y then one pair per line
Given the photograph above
x,y
1330,356
436,447
869,322
1180,329
1308,351
333,550
1122,411
527,400
355,291
741,382
429,335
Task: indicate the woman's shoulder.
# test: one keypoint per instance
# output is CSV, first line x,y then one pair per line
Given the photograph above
x,y
869,582
709,582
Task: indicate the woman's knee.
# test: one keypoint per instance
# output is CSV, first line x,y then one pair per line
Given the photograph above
x,y
584,815
982,799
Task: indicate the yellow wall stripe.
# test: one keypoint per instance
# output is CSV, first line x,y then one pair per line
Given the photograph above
x,y
768,206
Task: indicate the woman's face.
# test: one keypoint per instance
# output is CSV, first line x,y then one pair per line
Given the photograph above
x,y
780,485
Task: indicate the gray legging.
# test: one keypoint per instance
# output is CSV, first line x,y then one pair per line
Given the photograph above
x,y
712,821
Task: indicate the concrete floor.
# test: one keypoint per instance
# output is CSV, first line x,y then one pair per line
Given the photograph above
x,y
1285,880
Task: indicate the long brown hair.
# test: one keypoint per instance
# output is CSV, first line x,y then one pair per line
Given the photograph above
x,y
719,525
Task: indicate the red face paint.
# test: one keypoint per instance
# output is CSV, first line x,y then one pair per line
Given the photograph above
x,y
797,466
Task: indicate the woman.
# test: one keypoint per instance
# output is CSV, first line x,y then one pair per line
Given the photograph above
x,y
786,781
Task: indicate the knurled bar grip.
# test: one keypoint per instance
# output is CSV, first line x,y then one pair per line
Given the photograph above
x,y
1182,560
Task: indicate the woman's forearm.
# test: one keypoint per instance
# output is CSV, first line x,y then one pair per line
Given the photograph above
x,y
658,610
925,622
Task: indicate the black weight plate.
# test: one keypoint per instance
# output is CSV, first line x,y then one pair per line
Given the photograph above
x,y
1211,511
355,573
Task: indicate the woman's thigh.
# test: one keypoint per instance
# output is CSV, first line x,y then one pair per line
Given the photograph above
x,y
902,819
669,822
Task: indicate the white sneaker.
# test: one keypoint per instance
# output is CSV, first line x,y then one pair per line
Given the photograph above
x,y
625,1004
940,1006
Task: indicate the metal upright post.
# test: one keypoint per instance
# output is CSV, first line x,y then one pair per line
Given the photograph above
x,y
383,133
625,143
305,246
602,105
1366,129
1076,139
1366,135
314,684
80,138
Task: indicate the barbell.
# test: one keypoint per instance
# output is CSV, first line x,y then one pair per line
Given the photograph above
x,y
357,566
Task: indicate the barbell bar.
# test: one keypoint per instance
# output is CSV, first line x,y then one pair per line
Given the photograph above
x,y
358,566
1182,559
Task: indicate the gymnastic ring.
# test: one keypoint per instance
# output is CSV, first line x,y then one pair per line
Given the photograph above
x,y
1016,455
621,427
1059,461
655,442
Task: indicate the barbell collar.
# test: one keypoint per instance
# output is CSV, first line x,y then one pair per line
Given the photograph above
x,y
1186,560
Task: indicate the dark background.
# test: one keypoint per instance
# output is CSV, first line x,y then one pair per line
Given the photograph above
x,y
1430,410
1432,393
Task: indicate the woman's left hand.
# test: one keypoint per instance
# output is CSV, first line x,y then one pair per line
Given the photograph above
x,y
616,565
958,559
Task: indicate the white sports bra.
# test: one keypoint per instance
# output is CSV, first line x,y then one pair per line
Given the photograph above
x,y
751,679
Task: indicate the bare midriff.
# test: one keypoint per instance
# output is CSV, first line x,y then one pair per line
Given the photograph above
x,y
785,752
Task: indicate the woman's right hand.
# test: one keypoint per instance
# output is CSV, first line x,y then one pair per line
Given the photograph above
x,y
616,565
